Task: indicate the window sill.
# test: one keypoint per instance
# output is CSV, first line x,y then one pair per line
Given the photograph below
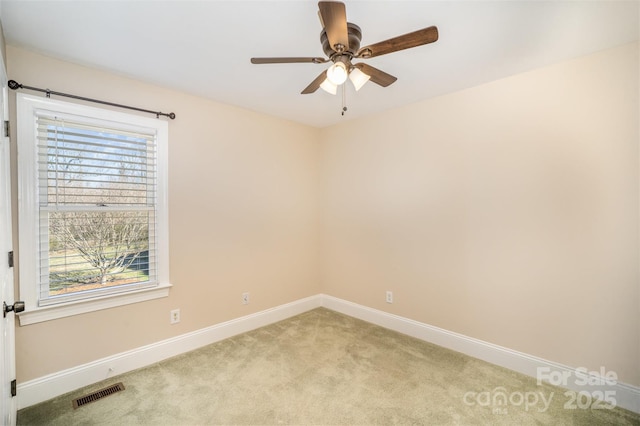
x,y
48,313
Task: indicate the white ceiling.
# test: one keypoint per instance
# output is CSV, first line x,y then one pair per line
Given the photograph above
x,y
203,47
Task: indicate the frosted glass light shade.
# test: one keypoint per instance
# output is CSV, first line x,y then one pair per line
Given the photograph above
x,y
358,78
337,73
329,87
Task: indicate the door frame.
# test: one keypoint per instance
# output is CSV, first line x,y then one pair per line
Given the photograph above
x,y
8,402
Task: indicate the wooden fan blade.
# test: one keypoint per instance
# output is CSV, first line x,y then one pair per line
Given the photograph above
x,y
377,76
333,16
287,60
406,41
315,84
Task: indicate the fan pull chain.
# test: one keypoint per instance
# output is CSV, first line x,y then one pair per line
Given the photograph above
x,y
344,99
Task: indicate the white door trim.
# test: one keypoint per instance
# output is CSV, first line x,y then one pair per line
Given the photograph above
x,y
8,404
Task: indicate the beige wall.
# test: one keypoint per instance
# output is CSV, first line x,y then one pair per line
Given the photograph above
x,y
243,193
507,212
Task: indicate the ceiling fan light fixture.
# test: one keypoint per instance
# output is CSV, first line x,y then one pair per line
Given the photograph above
x,y
340,42
329,87
337,73
358,78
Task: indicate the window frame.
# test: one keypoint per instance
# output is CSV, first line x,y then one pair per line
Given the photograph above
x,y
27,107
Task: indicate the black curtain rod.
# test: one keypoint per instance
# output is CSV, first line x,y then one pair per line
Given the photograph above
x,y
15,86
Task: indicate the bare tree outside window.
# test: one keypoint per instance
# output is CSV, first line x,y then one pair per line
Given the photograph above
x,y
98,248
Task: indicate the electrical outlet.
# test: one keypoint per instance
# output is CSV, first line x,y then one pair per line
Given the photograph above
x,y
245,298
389,297
174,316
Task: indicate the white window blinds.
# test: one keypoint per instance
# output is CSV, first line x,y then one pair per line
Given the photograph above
x,y
97,208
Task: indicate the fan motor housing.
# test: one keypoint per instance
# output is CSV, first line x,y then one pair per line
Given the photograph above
x,y
355,35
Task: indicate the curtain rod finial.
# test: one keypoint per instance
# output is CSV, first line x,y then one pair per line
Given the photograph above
x,y
14,85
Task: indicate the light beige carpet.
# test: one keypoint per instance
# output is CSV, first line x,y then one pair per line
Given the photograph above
x,y
323,368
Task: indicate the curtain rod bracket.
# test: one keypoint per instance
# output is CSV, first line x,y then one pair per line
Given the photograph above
x,y
14,85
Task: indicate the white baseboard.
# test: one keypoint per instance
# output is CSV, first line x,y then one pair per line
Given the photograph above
x,y
59,383
625,396
52,385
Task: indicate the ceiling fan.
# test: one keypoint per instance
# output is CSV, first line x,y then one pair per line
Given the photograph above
x,y
341,43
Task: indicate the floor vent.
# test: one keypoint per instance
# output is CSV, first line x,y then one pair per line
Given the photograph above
x,y
92,397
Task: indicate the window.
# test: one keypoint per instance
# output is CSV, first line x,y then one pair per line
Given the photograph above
x,y
92,208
